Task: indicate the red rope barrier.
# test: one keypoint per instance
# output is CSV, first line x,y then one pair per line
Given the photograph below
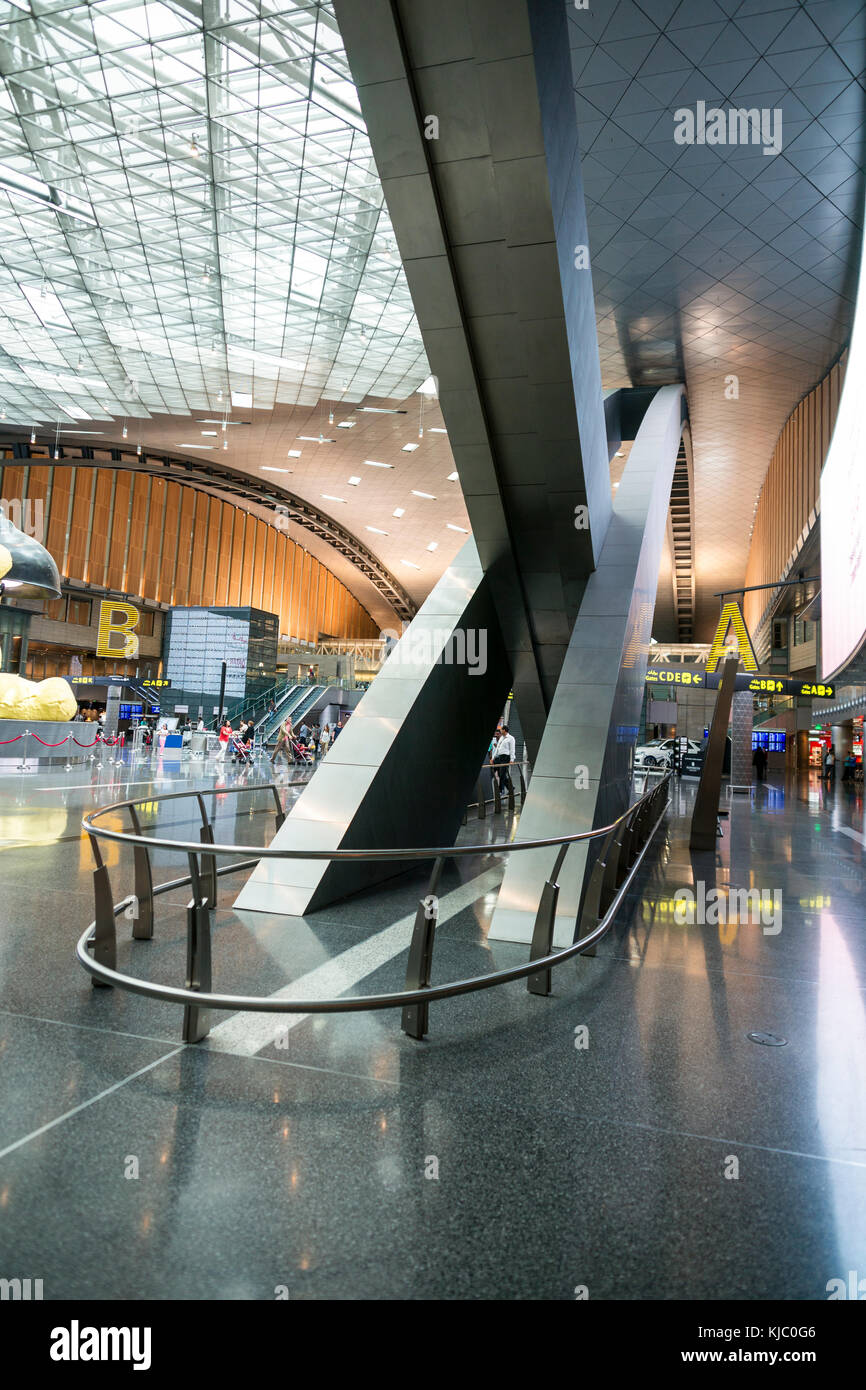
x,y
11,740
82,745
48,745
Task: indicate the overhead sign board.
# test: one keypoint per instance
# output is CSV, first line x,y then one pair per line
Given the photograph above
x,y
759,685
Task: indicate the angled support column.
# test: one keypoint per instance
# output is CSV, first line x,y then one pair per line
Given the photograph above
x,y
472,120
403,769
583,775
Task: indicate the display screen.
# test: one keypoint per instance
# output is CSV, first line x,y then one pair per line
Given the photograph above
x,y
771,740
843,512
131,711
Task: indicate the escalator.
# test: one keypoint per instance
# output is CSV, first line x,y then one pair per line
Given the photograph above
x,y
297,700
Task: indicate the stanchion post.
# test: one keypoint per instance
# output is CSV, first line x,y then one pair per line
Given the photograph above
x,y
542,932
196,1021
103,943
208,861
416,1017
142,924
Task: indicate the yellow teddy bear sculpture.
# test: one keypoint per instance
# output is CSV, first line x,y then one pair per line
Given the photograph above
x,y
36,700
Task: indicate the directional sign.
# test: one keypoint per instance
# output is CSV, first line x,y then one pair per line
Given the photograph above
x,y
759,685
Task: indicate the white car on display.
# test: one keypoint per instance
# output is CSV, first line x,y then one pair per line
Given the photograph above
x,y
659,751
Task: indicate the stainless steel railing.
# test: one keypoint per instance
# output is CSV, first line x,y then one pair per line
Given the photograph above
x,y
623,845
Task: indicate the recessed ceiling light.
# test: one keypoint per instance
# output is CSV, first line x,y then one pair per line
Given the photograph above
x,y
427,495
242,399
620,454
267,468
376,530
222,422
398,511
189,446
371,463
409,448
354,481
316,439
204,432
346,424
329,498
99,432
409,563
437,429
452,477
616,485
434,545
294,453
452,527
379,410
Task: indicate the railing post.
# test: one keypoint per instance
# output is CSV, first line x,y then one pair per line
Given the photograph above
x,y
497,795
279,814
611,879
416,1017
142,922
482,803
104,941
592,909
522,783
196,1021
208,862
511,787
542,932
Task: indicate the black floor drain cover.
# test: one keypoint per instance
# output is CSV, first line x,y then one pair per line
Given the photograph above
x,y
767,1039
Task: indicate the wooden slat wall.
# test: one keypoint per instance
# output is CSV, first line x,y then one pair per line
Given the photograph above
x,y
158,496
85,483
185,538
791,487
184,548
139,536
171,517
120,529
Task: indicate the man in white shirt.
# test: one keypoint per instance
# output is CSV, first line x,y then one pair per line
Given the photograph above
x,y
504,752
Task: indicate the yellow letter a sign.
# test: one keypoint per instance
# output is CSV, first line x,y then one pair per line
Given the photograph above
x,y
732,617
125,629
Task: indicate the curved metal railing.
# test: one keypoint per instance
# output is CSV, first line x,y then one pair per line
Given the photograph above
x,y
624,844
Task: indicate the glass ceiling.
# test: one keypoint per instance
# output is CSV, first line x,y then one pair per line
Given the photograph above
x,y
190,214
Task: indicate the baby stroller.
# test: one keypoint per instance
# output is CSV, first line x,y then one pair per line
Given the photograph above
x,y
241,752
301,755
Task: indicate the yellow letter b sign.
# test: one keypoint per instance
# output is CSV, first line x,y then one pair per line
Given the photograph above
x,y
124,627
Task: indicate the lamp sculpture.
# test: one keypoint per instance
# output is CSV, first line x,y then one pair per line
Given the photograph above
x,y
28,571
26,568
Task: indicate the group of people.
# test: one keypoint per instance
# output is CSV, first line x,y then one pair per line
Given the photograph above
x,y
305,745
240,739
90,714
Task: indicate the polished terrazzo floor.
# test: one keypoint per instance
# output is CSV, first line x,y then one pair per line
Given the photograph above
x,y
333,1157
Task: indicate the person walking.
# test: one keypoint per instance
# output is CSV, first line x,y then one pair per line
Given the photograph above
x,y
284,741
325,740
504,753
830,764
224,737
759,762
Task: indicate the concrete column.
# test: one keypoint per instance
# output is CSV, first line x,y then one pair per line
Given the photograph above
x,y
583,776
405,766
742,722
